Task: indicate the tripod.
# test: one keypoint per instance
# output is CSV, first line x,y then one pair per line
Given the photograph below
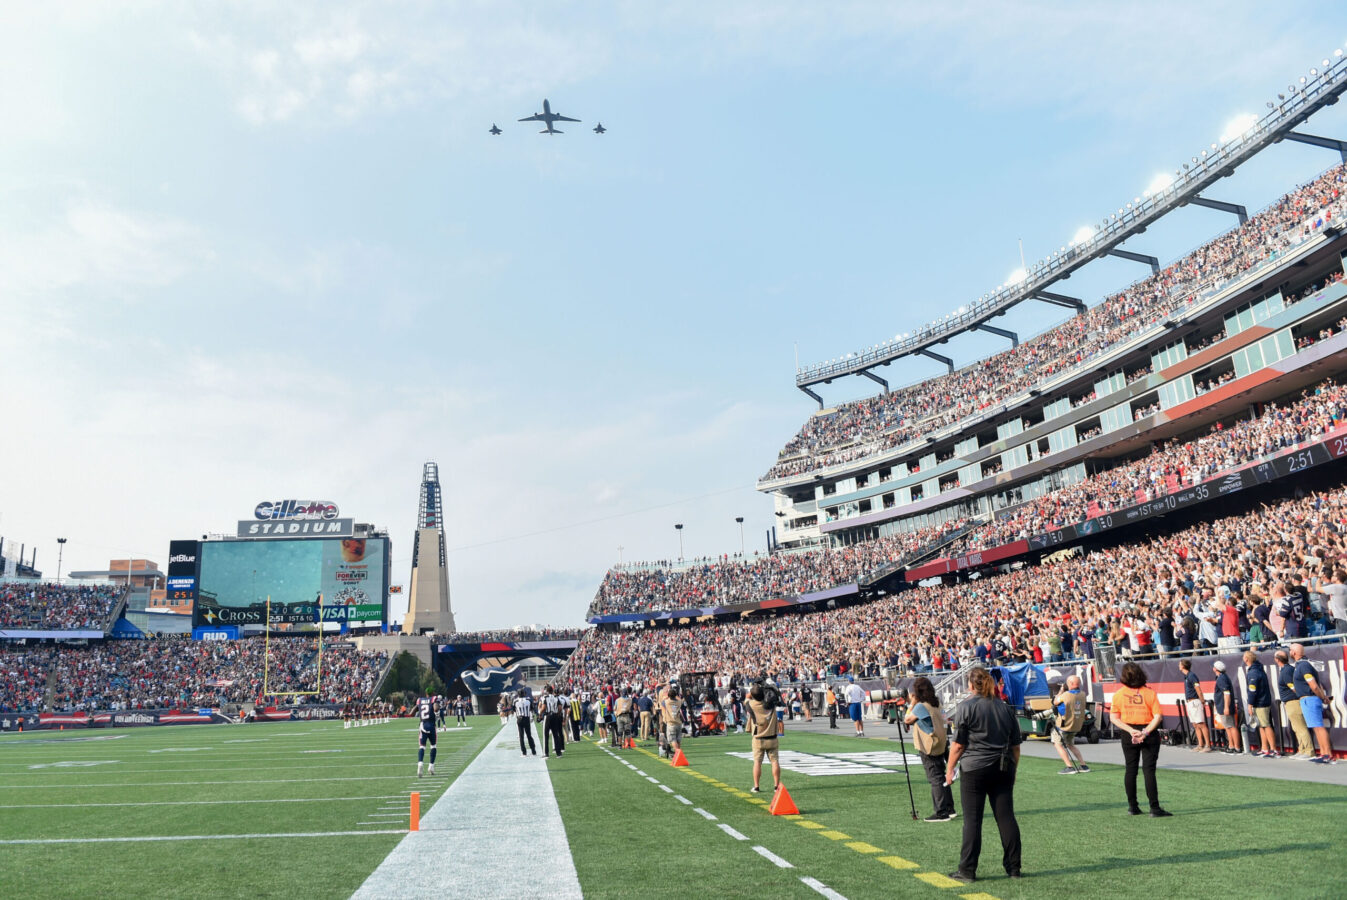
x,y
902,745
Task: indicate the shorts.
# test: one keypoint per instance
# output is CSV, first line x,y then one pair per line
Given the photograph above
x,y
1058,734
854,710
1223,721
1264,716
1313,708
767,748
1196,714
673,734
426,737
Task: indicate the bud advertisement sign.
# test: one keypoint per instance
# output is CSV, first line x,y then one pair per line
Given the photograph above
x,y
238,577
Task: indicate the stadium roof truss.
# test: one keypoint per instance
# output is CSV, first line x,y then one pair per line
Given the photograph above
x,y
1321,88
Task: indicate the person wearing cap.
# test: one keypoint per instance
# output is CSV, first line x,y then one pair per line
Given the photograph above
x,y
855,697
1223,709
1286,692
1196,708
1312,699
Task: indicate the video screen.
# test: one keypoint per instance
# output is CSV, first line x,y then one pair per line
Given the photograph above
x,y
237,577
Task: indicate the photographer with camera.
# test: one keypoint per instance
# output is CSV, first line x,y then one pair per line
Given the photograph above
x,y
763,700
671,712
930,734
1071,704
987,743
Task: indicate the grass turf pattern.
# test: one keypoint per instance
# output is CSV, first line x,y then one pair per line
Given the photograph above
x,y
1229,835
213,781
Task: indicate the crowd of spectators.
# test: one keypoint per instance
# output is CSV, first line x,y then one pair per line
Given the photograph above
x,y
864,427
178,672
1170,467
532,633
23,677
1244,575
47,606
727,581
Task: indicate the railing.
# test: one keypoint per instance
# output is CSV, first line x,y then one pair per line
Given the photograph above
x,y
1315,93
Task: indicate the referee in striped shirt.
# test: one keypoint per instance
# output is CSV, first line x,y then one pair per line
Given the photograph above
x,y
523,718
552,710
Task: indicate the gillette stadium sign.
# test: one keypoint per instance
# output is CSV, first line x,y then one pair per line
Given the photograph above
x,y
296,518
270,510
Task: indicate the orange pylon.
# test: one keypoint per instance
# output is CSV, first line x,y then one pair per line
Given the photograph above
x,y
415,823
781,804
679,759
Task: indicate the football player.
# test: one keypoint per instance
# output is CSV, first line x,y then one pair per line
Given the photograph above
x,y
427,713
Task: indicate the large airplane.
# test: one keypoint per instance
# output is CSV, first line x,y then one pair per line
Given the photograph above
x,y
494,129
548,117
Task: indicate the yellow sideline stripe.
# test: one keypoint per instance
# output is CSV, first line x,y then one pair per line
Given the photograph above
x,y
934,879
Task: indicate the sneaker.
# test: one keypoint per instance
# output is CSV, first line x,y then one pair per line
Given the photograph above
x,y
1160,814
1304,757
1134,811
418,770
432,768
1067,771
936,819
1084,768
1014,874
755,789
962,878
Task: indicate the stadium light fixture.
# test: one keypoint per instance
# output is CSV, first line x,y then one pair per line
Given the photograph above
x,y
1017,276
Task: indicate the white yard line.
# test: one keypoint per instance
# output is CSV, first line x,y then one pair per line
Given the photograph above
x,y
196,837
503,801
138,784
738,836
768,854
195,802
823,889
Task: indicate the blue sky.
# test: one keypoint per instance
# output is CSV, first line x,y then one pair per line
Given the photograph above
x,y
254,251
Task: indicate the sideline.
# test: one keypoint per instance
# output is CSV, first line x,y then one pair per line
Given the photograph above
x,y
502,801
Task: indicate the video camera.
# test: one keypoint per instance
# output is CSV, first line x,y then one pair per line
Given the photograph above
x,y
899,698
771,695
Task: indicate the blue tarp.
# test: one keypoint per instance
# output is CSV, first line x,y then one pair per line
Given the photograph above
x,y
124,629
1022,681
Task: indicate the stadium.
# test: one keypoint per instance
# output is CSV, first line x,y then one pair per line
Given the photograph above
x,y
1142,505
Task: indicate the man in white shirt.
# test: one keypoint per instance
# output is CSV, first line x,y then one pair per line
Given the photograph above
x,y
855,697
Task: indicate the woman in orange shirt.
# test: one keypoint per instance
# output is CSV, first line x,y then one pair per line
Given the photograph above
x,y
1136,711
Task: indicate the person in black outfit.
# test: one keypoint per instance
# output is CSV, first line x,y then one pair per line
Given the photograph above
x,y
551,710
987,742
523,719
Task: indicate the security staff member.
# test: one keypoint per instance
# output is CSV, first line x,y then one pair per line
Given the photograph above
x,y
1136,710
577,713
762,716
830,698
987,743
523,719
551,709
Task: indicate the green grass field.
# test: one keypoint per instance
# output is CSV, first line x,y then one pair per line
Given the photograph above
x,y
210,781
1229,835
630,837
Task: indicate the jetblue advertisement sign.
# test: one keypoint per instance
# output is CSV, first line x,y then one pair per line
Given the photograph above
x,y
216,633
182,557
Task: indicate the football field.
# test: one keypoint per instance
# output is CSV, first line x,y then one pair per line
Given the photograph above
x,y
311,809
286,809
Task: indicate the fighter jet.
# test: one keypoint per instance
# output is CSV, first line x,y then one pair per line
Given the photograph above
x,y
548,117
494,129
599,129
